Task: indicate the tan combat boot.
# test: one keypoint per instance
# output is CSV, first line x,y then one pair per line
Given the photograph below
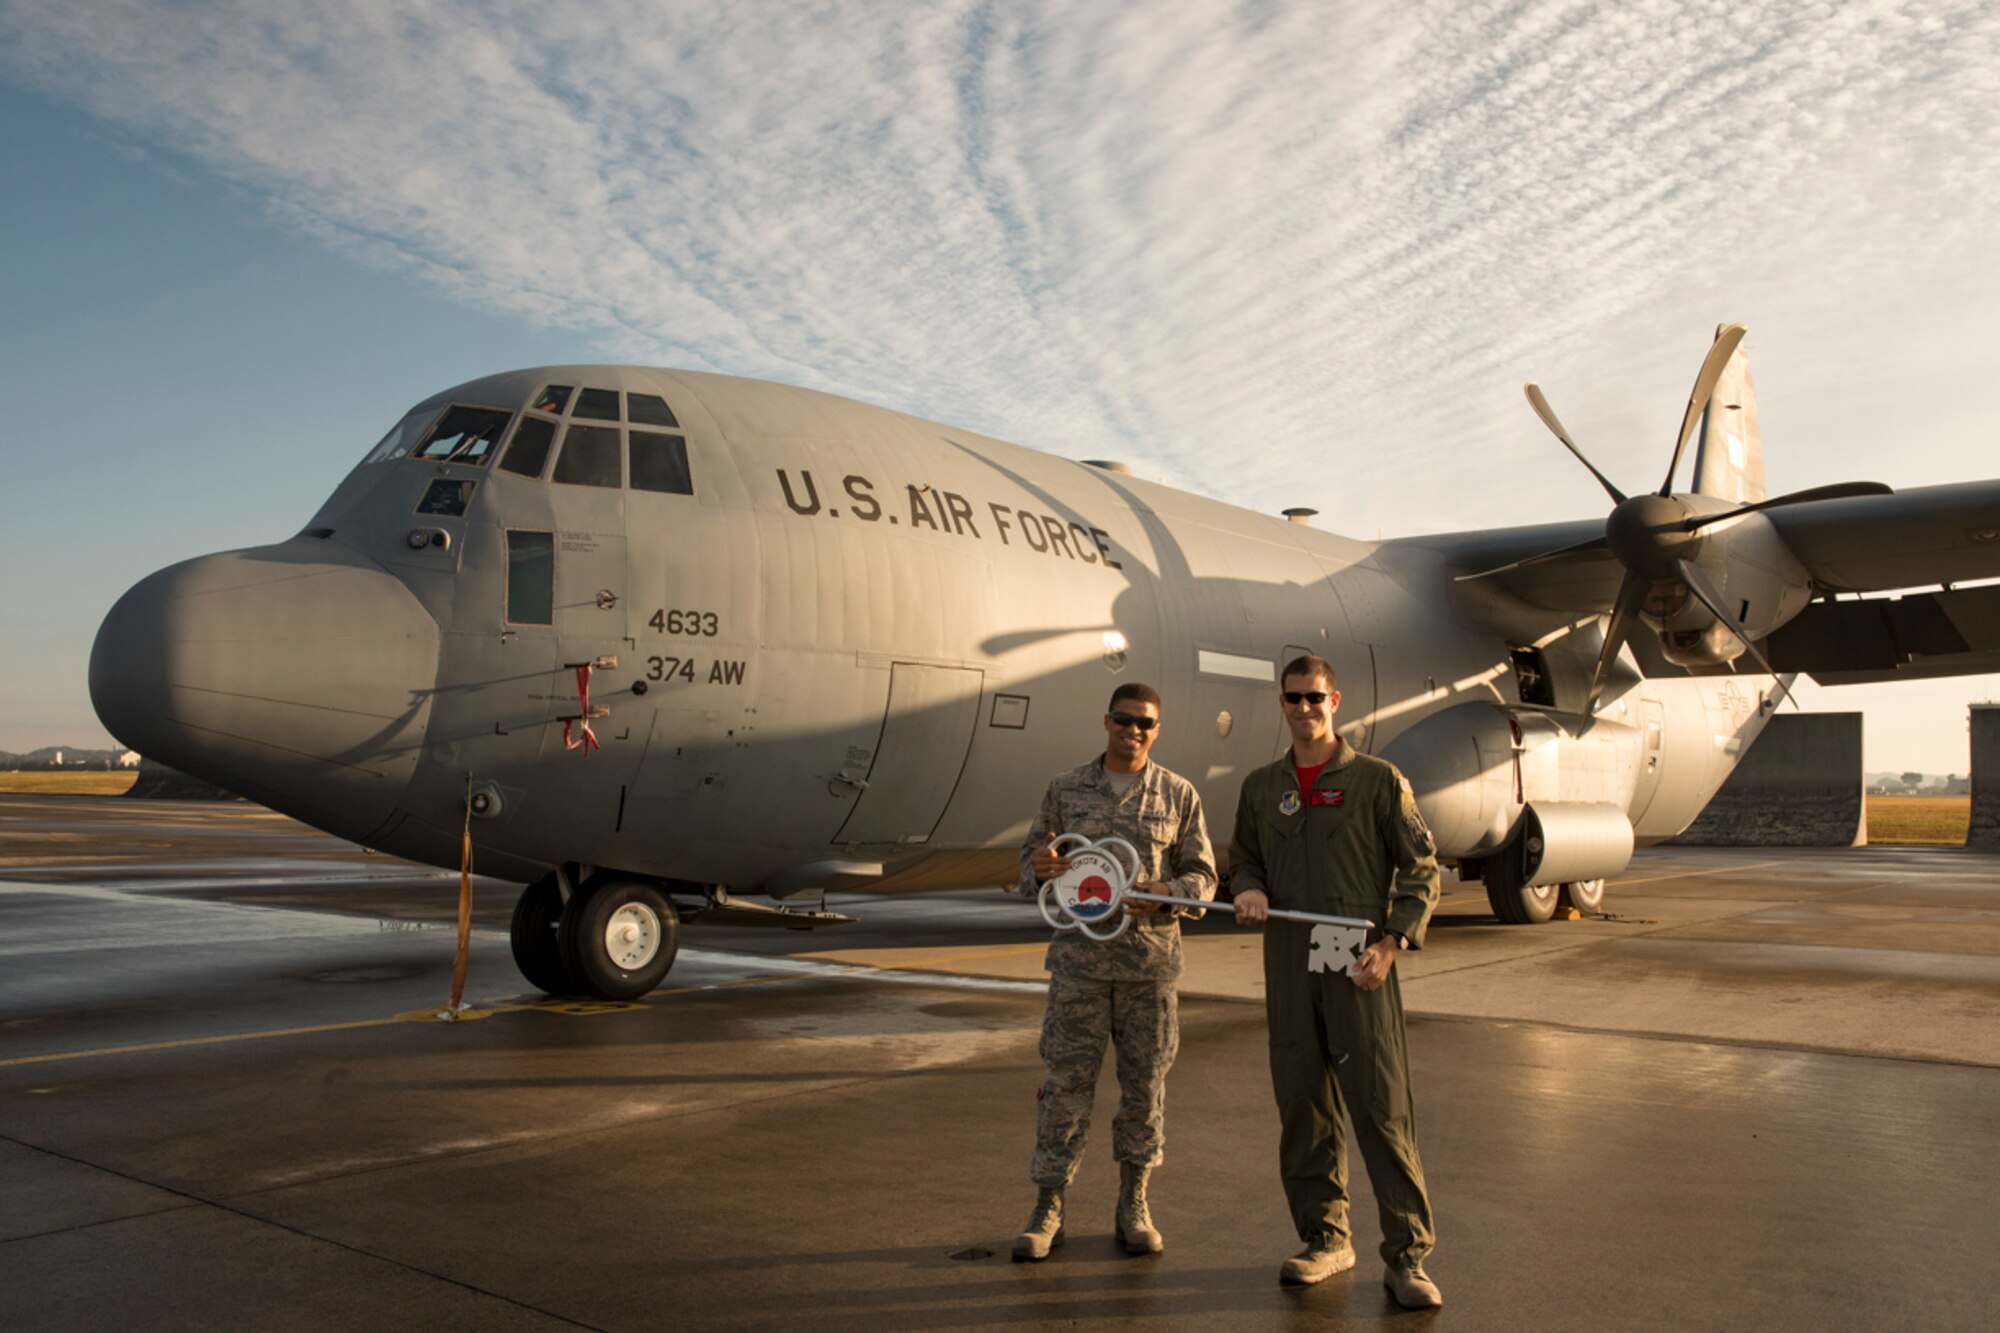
x,y
1316,1263
1135,1221
1045,1230
1412,1287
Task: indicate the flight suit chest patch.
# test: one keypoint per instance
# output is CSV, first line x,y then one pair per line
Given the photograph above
x,y
1288,804
1323,797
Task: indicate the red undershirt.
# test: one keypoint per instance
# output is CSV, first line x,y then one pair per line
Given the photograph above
x,y
1308,776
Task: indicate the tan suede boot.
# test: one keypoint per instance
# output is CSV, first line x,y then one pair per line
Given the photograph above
x,y
1135,1222
1044,1231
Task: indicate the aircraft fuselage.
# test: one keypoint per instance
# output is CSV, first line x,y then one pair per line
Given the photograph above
x,y
849,642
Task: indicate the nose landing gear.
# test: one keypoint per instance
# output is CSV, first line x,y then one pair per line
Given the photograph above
x,y
615,938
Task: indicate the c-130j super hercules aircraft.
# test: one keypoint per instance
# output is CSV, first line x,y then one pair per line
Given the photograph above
x,y
675,637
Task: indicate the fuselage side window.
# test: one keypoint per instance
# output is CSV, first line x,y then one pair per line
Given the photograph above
x,y
660,463
402,436
464,435
531,578
528,452
446,497
553,399
589,457
649,409
597,404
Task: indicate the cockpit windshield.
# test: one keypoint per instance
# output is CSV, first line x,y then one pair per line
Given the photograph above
x,y
553,425
457,434
465,435
402,435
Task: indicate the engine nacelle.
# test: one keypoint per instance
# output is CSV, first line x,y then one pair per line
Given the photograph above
x,y
1755,576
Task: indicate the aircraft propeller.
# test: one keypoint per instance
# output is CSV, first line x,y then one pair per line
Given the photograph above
x,y
1655,535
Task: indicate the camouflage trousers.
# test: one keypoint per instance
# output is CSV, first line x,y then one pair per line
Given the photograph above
x,y
1142,1020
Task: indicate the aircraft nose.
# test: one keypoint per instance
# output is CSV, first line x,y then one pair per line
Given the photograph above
x,y
299,675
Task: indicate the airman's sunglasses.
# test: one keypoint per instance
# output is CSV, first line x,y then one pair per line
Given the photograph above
x,y
1313,697
1129,720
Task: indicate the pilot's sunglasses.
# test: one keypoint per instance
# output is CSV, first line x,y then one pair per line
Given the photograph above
x,y
1313,697
1127,720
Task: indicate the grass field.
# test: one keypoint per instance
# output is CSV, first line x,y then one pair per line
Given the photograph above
x,y
70,784
1919,820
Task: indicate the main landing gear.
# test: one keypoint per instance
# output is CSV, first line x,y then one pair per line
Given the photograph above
x,y
615,938
1518,904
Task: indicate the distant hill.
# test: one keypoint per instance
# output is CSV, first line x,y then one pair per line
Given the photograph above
x,y
1892,781
73,756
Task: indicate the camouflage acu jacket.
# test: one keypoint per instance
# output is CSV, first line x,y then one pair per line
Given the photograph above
x,y
1160,815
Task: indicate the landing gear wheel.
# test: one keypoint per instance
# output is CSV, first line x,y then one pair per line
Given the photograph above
x,y
1585,895
1515,903
536,950
618,938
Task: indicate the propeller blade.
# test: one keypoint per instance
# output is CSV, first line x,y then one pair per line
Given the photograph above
x,y
1596,545
1631,593
1704,389
1698,584
1840,490
1548,416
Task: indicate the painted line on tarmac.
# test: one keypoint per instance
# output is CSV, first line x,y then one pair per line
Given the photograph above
x,y
226,1037
912,972
783,969
1693,874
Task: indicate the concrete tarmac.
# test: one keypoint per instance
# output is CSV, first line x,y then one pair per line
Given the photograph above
x,y
1759,1094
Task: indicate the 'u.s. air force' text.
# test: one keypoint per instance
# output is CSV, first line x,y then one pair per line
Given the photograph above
x,y
951,514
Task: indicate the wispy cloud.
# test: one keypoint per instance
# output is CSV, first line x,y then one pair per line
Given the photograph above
x,y
1286,253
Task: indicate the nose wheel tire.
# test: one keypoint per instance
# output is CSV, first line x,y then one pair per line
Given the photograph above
x,y
618,938
536,950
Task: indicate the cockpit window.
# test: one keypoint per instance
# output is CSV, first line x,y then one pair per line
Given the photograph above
x,y
405,434
465,435
597,404
649,409
446,497
589,456
528,453
553,399
660,463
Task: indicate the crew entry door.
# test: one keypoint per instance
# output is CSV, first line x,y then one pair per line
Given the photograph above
x,y
926,737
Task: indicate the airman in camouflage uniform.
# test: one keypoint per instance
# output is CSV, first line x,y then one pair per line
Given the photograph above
x,y
1327,830
1120,990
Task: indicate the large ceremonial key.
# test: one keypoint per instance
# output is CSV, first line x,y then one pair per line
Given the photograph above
x,y
1099,881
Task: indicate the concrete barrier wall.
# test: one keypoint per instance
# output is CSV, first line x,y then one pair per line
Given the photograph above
x,y
1800,785
1984,831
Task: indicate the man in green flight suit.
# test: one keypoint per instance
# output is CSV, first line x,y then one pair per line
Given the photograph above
x,y
1329,830
1120,991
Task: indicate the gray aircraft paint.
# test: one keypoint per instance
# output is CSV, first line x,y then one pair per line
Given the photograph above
x,y
866,640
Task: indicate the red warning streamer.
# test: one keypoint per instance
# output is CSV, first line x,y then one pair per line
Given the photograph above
x,y
588,741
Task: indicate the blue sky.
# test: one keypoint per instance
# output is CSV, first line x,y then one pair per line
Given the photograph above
x,y
1285,254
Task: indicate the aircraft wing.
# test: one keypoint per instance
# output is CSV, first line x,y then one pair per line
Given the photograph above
x,y
1915,637
1583,582
1933,535
1928,537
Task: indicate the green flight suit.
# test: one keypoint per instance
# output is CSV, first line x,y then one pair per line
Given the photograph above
x,y
1355,846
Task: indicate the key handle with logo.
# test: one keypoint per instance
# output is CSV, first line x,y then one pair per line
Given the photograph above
x,y
1090,895
1098,884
